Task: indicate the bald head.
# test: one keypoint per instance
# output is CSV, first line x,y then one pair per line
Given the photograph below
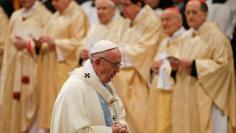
x,y
173,11
196,13
108,3
105,10
171,21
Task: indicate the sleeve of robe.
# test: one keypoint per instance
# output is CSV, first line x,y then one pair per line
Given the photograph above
x,y
216,75
78,30
3,35
3,26
70,114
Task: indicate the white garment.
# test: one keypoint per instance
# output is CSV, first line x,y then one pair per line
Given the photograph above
x,y
164,81
231,4
219,121
224,16
90,11
77,107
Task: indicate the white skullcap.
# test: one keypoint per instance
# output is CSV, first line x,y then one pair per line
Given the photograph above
x,y
102,46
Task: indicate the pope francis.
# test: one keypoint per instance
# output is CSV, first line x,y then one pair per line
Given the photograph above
x,y
87,102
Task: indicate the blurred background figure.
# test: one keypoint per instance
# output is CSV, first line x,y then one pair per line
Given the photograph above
x,y
57,53
205,78
159,117
139,37
19,81
3,33
4,23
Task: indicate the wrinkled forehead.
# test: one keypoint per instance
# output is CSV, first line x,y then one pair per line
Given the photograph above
x,y
114,54
104,3
168,13
193,4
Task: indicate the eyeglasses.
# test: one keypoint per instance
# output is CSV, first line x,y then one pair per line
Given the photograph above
x,y
114,65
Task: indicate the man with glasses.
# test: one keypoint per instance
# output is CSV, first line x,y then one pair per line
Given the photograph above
x,y
87,102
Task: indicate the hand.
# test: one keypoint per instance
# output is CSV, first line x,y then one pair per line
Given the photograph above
x,y
48,40
84,54
174,64
20,43
36,41
185,63
156,66
119,128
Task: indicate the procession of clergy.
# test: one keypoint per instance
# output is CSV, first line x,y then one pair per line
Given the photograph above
x,y
172,80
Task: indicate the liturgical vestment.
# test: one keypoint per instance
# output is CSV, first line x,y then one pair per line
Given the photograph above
x,y
210,82
79,107
3,35
159,116
19,70
139,40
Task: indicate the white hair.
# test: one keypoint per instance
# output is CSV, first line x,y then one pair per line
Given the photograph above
x,y
108,2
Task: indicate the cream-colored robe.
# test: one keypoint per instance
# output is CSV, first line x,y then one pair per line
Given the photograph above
x,y
3,32
77,107
3,35
193,97
19,71
139,41
67,29
159,116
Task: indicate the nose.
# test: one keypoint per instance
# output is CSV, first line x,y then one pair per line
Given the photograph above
x,y
164,23
190,15
99,11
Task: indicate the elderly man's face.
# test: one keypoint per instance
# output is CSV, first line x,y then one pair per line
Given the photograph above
x,y
195,17
129,9
105,12
171,22
109,65
60,5
27,4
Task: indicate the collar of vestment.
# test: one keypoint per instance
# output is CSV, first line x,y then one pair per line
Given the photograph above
x,y
178,33
28,12
71,7
88,74
206,27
